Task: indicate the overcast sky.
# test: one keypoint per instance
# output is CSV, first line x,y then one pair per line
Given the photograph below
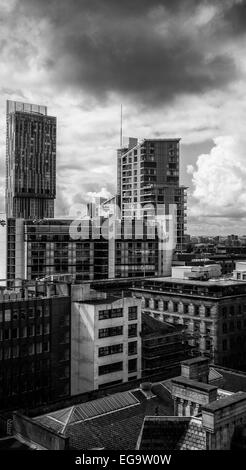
x,y
177,66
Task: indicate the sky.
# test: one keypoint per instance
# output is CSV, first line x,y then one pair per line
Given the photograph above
x,y
178,67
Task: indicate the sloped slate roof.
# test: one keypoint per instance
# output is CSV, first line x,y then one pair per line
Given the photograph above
x,y
172,433
115,428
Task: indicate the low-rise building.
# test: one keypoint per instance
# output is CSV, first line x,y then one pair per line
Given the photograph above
x,y
213,312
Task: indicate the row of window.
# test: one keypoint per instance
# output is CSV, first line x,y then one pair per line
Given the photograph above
x,y
26,350
175,308
117,349
233,310
117,330
231,326
117,366
31,312
118,312
26,331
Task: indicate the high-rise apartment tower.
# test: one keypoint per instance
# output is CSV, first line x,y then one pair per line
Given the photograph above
x,y
30,161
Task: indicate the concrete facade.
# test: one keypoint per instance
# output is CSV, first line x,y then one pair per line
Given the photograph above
x,y
106,343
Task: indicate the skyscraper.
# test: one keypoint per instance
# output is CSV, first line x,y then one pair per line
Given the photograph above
x,y
30,161
148,173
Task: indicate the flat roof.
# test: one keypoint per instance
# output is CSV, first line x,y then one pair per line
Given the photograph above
x,y
194,384
216,282
108,300
224,402
195,360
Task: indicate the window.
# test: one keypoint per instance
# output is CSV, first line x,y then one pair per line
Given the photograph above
x,y
113,313
115,331
175,307
15,315
132,330
24,332
224,344
186,308
31,349
38,330
132,348
132,313
7,316
110,368
239,324
31,312
39,348
30,330
108,350
7,333
7,353
207,311
196,309
232,310
224,328
15,333
132,365
39,311
46,311
231,328
46,346
46,329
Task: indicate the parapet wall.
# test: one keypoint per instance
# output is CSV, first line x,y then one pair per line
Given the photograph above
x,y
32,433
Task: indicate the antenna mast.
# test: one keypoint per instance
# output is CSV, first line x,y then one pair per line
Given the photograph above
x,y
121,121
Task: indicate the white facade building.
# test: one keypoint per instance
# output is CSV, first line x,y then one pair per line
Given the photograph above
x,y
106,343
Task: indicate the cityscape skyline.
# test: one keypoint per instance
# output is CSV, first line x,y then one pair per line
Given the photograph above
x,y
122,227
206,104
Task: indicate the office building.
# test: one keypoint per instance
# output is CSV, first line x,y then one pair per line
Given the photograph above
x,y
34,346
105,340
40,248
213,312
30,161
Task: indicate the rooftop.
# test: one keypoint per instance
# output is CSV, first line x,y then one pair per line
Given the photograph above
x,y
209,283
194,384
153,327
233,380
102,301
224,402
112,422
195,360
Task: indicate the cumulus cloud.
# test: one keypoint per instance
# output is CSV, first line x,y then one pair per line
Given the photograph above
x,y
219,180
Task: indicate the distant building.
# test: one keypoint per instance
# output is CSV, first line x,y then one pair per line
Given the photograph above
x,y
205,272
213,312
239,273
30,161
148,173
46,247
105,340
